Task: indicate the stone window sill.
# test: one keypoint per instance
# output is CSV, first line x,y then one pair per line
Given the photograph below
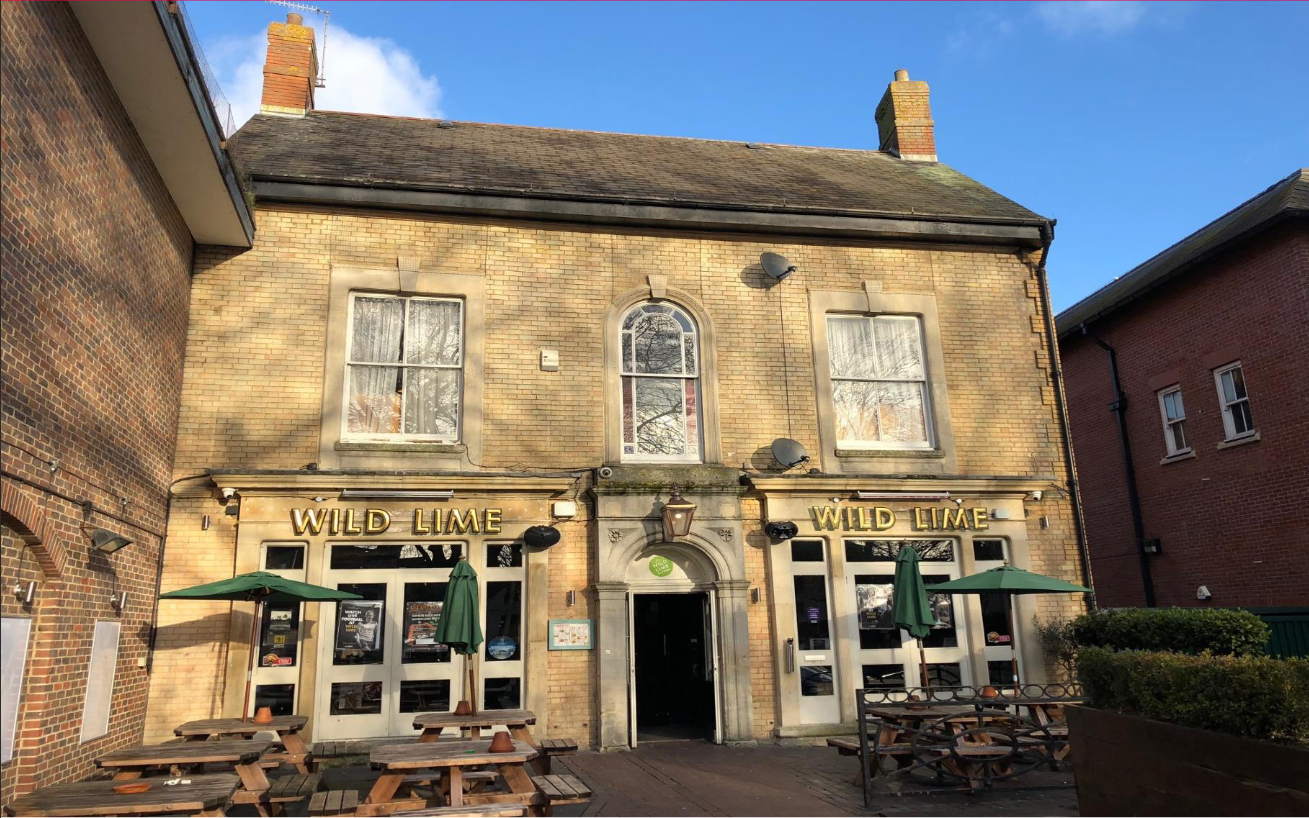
x,y
880,453
400,446
1239,441
1189,454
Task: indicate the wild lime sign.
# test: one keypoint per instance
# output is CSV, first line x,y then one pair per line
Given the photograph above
x,y
661,566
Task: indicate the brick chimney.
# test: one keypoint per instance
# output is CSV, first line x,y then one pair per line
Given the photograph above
x,y
904,120
289,69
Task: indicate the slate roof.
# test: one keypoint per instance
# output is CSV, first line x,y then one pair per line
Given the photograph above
x,y
1289,197
363,150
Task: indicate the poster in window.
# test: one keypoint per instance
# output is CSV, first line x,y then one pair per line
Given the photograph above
x,y
278,637
874,604
942,610
421,619
359,624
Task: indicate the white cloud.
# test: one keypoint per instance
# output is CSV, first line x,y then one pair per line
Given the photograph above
x,y
1069,17
369,75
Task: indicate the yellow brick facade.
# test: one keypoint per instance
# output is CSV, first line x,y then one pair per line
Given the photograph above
x,y
253,393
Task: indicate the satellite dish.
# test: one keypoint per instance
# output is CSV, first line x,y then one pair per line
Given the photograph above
x,y
541,536
789,452
775,266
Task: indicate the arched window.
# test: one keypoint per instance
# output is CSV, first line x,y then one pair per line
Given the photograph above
x,y
660,384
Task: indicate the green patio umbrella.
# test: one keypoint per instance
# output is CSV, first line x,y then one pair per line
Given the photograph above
x,y
1009,581
910,606
258,587
460,626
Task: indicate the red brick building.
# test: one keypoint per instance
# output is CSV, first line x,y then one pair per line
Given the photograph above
x,y
1210,339
113,171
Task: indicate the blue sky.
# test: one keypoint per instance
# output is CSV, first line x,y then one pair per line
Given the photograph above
x,y
1132,123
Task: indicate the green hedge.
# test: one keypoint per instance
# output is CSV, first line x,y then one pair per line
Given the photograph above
x,y
1183,630
1253,696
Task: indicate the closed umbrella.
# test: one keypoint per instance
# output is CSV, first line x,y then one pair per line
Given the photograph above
x,y
1009,581
258,587
460,626
910,606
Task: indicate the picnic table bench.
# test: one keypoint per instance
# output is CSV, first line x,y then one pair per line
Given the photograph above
x,y
287,728
451,759
204,795
516,721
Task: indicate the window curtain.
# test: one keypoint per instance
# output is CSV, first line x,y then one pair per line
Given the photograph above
x,y
376,337
432,395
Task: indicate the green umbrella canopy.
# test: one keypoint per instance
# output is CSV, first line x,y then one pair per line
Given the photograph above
x,y
260,586
910,607
1007,580
459,626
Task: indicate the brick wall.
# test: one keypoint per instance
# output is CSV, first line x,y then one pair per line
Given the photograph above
x,y
1229,518
253,391
93,301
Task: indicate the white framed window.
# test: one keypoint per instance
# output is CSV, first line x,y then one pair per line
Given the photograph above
x,y
404,368
100,680
660,384
879,382
14,631
1173,413
1237,420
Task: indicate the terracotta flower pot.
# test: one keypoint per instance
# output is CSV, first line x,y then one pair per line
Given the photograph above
x,y
263,715
502,743
989,692
464,708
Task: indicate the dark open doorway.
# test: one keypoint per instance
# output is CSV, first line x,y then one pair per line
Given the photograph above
x,y
674,667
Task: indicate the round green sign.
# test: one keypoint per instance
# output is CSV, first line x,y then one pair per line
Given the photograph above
x,y
661,566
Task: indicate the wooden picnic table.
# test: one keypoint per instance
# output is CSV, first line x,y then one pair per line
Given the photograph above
x,y
452,759
516,721
242,756
205,795
287,728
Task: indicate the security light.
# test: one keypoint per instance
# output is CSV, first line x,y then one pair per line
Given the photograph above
x,y
106,541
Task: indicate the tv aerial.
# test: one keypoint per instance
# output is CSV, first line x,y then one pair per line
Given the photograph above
x,y
789,452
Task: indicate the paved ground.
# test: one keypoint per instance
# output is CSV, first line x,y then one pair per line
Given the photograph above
x,y
697,778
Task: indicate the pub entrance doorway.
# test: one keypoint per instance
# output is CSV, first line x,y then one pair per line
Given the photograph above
x,y
673,646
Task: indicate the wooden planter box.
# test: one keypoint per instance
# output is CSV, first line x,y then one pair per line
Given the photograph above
x,y
1128,765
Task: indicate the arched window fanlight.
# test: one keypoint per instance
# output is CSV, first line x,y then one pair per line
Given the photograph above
x,y
661,384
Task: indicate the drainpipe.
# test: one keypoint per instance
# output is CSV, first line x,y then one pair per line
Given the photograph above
x,y
1083,554
1119,408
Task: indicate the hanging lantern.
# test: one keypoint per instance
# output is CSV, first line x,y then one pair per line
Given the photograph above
x,y
678,513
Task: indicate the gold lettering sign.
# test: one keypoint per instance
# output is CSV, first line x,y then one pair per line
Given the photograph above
x,y
881,518
433,522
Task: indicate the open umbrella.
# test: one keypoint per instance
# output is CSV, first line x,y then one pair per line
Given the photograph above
x,y
910,606
460,626
1009,581
258,587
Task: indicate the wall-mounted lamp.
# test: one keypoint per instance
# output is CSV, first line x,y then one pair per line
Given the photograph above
x,y
118,601
106,541
204,523
25,593
1152,545
678,513
1203,592
754,595
571,596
